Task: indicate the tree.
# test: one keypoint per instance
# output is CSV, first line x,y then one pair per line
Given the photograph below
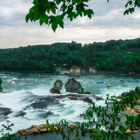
x,y
54,12
114,55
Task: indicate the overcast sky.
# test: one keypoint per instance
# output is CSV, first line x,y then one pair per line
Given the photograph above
x,y
107,23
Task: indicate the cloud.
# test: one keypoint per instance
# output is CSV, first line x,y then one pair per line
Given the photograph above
x,y
13,12
107,23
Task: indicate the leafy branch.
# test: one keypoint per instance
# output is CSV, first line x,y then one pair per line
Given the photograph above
x,y
53,13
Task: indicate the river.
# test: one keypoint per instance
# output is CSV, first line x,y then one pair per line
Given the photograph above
x,y
26,99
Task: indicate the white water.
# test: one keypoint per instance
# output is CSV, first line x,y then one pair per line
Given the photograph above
x,y
24,89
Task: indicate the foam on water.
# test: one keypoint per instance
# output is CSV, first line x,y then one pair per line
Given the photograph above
x,y
69,109
114,91
13,100
41,91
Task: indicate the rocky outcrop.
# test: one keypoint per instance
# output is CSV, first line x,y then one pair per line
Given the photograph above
x,y
57,87
137,102
87,92
82,98
45,114
44,102
40,129
35,129
134,110
73,86
4,112
88,100
98,98
20,114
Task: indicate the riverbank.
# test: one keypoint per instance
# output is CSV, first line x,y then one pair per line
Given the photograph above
x,y
86,73
39,133
55,136
119,73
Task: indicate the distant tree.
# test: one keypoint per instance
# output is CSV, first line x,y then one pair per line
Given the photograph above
x,y
118,56
54,12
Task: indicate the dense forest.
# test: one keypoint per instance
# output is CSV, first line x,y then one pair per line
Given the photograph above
x,y
122,56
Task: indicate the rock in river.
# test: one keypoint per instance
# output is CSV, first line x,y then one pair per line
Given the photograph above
x,y
74,86
57,87
4,112
20,114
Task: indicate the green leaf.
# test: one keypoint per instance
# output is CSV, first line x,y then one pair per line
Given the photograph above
x,y
58,2
27,18
129,11
36,2
89,13
53,10
41,21
54,26
46,19
60,21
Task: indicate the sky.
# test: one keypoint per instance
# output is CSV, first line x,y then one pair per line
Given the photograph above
x,y
107,23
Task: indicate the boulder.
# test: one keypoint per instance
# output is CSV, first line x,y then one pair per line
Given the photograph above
x,y
45,114
57,87
83,116
87,92
40,129
73,86
22,132
88,100
99,98
20,114
4,112
73,98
